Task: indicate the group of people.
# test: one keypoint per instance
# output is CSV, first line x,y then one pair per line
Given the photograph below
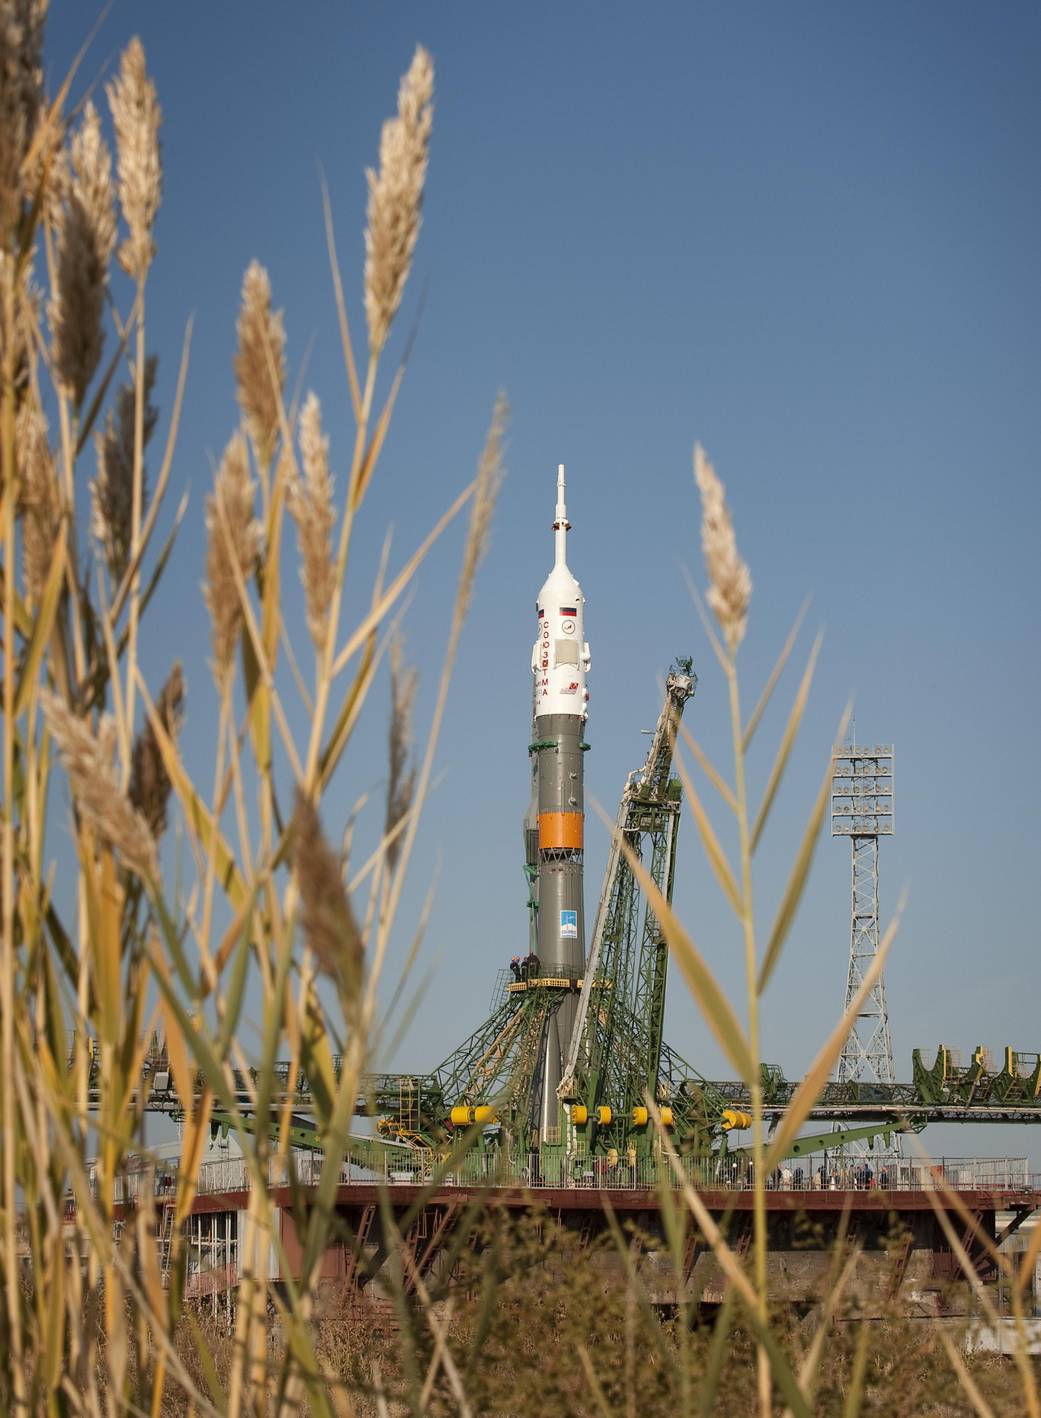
x,y
524,967
858,1178
738,1173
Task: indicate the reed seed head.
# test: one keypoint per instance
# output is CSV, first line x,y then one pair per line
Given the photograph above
x,y
730,581
86,236
234,539
396,198
21,94
311,505
326,915
91,180
87,755
136,116
112,491
149,780
40,498
260,363
401,779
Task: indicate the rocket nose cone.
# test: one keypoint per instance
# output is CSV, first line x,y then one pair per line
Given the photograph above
x,y
561,525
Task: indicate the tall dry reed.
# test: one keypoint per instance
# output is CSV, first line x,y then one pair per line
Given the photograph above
x,y
87,973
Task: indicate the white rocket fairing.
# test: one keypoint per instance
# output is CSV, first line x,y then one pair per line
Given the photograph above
x,y
560,659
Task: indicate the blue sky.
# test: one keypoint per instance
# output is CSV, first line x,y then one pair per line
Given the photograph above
x,y
805,235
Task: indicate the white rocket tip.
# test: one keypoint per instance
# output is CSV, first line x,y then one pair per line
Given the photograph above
x,y
561,512
560,521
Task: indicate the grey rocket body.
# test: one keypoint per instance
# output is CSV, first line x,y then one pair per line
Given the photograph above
x,y
560,792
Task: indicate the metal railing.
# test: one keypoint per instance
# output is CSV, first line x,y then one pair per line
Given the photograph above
x,y
815,1173
818,1172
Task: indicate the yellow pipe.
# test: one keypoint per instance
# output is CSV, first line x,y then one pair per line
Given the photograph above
x,y
734,1118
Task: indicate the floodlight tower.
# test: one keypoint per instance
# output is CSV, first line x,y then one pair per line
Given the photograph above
x,y
862,810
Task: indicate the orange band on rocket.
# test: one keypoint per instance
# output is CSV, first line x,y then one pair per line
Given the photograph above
x,y
559,830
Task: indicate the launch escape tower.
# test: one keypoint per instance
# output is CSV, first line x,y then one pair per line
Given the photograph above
x,y
862,810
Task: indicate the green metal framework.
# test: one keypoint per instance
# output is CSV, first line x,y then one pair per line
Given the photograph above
x,y
494,1068
617,1056
943,1091
616,1052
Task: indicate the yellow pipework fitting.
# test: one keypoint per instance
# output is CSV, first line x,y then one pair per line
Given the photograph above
x,y
734,1118
462,1115
579,1114
666,1117
640,1116
604,1114
485,1114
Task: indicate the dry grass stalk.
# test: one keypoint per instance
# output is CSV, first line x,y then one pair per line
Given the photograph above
x,y
87,755
136,115
311,504
401,779
486,490
86,236
21,93
235,535
730,581
489,480
50,173
149,781
261,350
326,916
112,492
40,498
15,334
396,198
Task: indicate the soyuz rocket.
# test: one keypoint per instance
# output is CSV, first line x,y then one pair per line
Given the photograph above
x,y
554,827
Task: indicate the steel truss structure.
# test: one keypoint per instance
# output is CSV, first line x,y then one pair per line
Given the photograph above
x,y
862,810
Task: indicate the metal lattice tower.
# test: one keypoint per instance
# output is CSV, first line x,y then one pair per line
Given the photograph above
x,y
862,810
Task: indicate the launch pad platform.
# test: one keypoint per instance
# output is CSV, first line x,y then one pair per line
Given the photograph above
x,y
903,1234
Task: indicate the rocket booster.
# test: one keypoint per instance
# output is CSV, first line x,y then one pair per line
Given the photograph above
x,y
559,663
